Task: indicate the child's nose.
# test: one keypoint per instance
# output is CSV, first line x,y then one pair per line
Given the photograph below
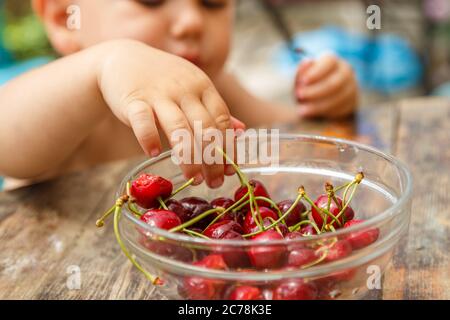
x,y
188,23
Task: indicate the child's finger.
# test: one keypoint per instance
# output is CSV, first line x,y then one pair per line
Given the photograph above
x,y
329,107
302,67
237,124
175,126
142,121
199,118
219,111
322,67
329,85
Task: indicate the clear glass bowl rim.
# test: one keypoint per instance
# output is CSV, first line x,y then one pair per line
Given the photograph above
x,y
185,239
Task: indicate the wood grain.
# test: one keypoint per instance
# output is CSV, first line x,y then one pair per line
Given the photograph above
x,y
421,268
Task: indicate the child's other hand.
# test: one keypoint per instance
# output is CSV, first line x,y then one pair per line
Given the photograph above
x,y
326,87
147,88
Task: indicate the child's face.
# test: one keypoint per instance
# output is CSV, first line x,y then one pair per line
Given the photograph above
x,y
198,30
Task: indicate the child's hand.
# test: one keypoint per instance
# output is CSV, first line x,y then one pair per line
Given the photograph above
x,y
326,87
147,88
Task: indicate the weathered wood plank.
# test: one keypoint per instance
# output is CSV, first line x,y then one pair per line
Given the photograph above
x,y
41,225
421,268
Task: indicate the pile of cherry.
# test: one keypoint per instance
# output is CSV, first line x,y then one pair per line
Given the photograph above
x,y
253,216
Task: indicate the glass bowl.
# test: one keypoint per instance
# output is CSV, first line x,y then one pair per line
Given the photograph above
x,y
383,200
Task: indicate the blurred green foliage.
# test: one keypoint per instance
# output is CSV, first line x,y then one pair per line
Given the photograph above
x,y
23,34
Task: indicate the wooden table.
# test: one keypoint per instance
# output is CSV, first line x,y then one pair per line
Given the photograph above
x,y
46,228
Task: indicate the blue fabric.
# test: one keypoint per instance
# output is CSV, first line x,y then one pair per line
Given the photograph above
x,y
386,63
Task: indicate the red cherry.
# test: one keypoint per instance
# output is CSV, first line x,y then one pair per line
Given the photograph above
x,y
159,218
162,248
213,261
196,206
338,250
222,202
267,294
295,216
266,256
250,224
225,203
147,188
259,191
308,230
293,235
281,227
322,202
301,257
361,239
175,206
295,289
198,288
235,257
219,229
245,293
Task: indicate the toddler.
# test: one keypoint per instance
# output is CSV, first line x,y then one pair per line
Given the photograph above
x,y
135,72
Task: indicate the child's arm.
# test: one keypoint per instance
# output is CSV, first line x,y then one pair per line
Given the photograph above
x,y
325,87
253,111
48,113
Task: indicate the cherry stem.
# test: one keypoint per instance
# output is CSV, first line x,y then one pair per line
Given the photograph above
x,y
305,214
322,257
355,183
329,202
244,182
348,202
117,214
330,193
195,220
131,205
193,233
101,222
276,222
335,190
344,197
256,215
328,213
241,175
161,202
276,225
230,208
298,225
133,209
119,203
182,187
269,201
